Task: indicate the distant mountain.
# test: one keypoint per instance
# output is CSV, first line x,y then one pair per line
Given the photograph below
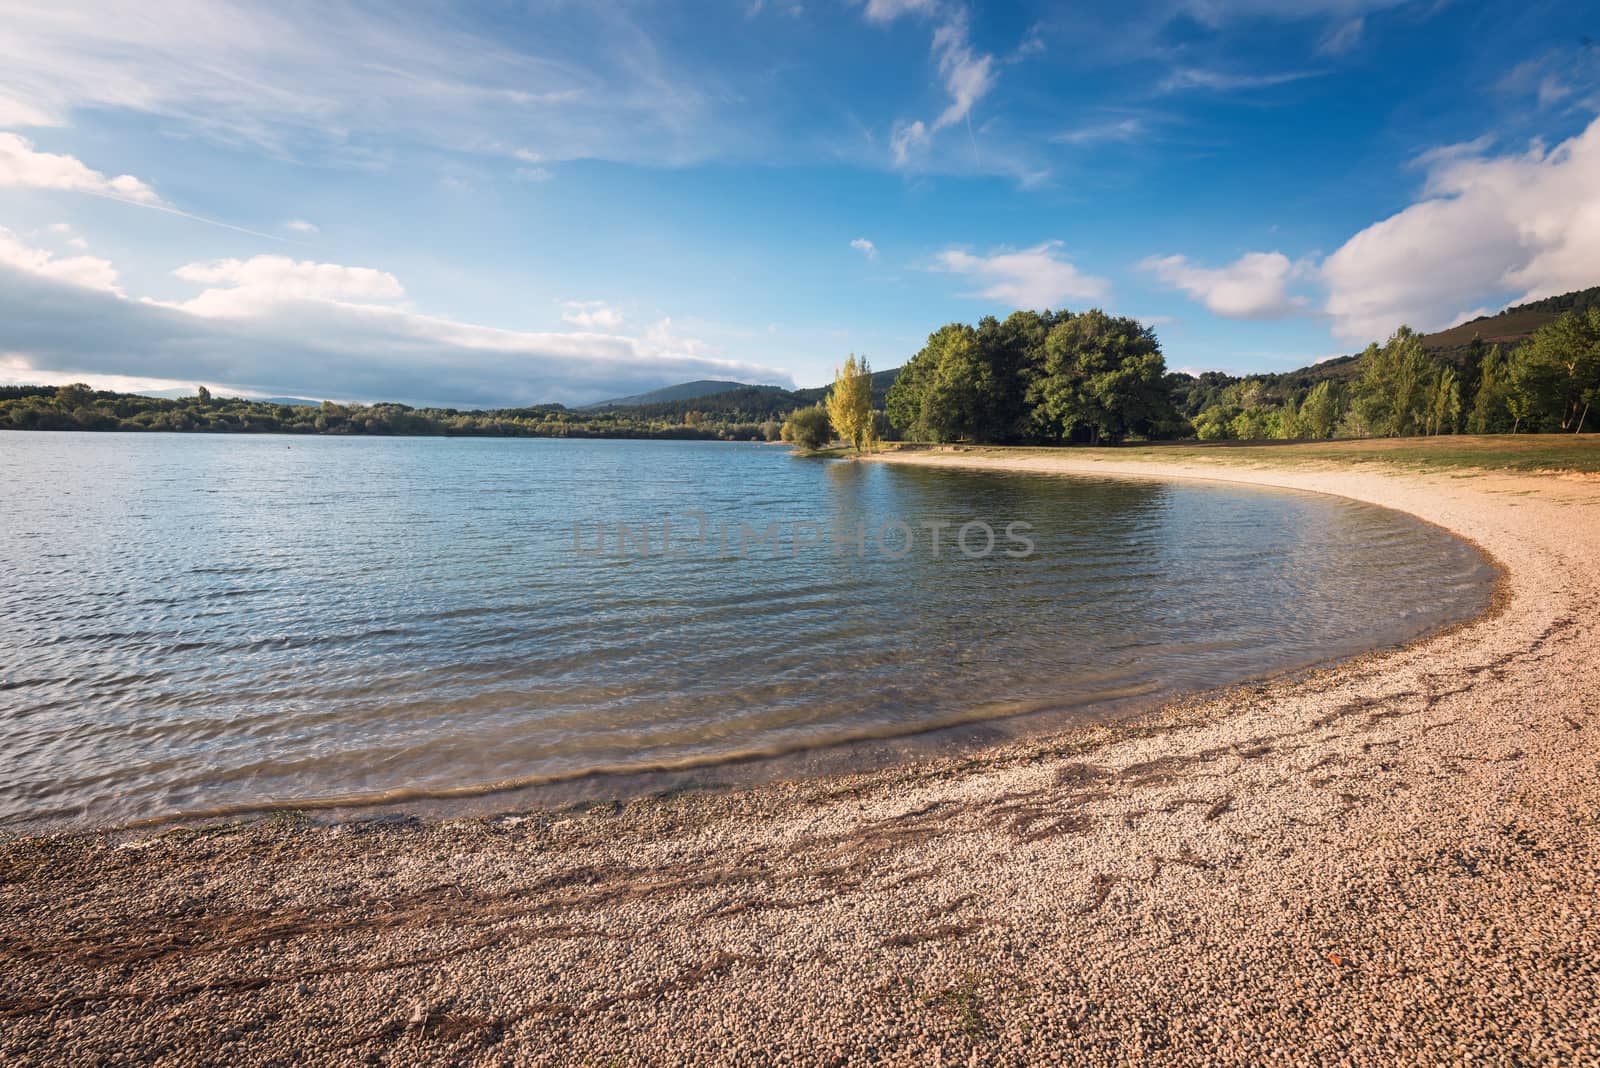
x,y
682,391
732,402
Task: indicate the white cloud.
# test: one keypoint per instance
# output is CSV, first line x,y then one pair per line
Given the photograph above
x,y
1255,286
1523,225
1034,278
865,247
591,315
533,174
301,226
272,326
87,272
249,286
22,165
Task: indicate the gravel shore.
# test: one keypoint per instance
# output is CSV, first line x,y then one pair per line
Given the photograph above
x,y
1394,861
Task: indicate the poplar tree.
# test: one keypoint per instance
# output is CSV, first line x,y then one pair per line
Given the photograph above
x,y
849,404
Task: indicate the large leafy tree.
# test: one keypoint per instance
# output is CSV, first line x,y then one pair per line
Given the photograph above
x,y
1557,373
943,392
1394,396
1319,413
1101,379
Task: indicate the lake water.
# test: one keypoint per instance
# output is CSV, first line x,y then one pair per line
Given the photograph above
x,y
198,624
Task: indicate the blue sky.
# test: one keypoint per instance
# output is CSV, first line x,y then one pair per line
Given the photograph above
x,y
519,202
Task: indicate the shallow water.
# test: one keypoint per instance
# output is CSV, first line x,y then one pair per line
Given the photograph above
x,y
195,623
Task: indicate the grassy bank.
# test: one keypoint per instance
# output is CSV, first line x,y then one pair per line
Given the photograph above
x,y
1555,453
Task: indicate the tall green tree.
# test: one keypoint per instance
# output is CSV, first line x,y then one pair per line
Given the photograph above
x,y
1102,378
1445,407
1491,413
1394,394
1557,372
942,393
1319,413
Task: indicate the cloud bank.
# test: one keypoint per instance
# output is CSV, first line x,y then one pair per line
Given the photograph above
x,y
276,326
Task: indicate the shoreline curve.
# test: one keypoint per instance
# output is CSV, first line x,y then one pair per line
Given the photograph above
x,y
1396,858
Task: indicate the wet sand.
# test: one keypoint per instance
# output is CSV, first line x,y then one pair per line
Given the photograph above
x,y
1396,860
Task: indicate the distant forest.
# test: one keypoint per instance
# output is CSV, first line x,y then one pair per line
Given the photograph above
x,y
1040,378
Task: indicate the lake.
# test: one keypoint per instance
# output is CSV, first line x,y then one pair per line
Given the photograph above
x,y
199,624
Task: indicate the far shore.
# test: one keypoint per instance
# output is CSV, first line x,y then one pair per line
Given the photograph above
x,y
1394,861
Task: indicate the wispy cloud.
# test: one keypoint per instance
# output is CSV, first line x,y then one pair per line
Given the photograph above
x,y
883,11
301,226
1121,130
865,247
1343,37
591,315
967,74
335,80
1185,78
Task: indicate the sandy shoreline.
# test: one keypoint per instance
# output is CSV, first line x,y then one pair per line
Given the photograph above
x,y
1394,860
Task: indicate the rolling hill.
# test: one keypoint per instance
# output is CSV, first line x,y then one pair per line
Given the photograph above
x,y
683,391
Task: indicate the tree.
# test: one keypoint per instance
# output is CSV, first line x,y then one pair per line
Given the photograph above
x,y
903,405
1491,414
849,403
1319,413
1290,424
808,428
203,396
1444,408
1101,378
1558,370
1395,391
952,406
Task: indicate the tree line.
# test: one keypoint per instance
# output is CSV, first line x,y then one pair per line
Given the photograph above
x,y
1548,384
1055,378
77,407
